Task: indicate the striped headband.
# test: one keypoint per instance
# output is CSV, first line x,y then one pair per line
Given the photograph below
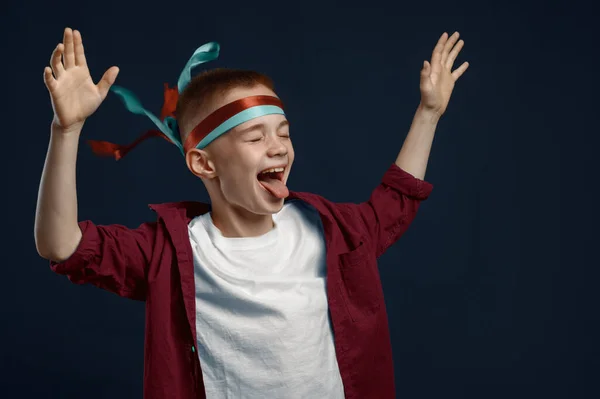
x,y
214,125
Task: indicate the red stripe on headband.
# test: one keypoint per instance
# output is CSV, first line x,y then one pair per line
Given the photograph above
x,y
212,121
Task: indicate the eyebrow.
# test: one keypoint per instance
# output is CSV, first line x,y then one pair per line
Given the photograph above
x,y
261,125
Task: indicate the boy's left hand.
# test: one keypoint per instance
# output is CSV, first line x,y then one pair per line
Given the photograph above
x,y
437,78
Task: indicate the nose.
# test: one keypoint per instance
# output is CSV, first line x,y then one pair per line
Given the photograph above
x,y
276,146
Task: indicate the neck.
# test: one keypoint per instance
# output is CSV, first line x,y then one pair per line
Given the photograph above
x,y
237,222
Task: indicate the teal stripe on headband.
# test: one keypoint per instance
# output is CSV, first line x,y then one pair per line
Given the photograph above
x,y
238,119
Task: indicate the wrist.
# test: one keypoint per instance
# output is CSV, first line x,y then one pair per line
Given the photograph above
x,y
427,114
66,131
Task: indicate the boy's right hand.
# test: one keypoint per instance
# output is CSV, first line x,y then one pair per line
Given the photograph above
x,y
72,91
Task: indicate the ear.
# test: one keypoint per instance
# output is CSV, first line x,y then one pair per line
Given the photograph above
x,y
199,162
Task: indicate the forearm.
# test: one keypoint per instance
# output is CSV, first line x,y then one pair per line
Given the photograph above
x,y
57,232
414,155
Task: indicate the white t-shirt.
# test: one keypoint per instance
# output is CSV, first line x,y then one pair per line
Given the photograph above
x,y
262,320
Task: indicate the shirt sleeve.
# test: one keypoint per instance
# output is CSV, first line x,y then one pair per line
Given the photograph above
x,y
391,208
113,257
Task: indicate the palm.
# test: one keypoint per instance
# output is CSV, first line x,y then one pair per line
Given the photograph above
x,y
72,91
437,78
75,96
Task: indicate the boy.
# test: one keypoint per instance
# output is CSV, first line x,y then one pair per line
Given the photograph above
x,y
264,292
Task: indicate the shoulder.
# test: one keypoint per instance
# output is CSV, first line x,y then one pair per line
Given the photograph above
x,y
188,209
312,201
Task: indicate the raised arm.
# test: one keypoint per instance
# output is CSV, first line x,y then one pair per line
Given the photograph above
x,y
74,98
436,86
112,257
394,203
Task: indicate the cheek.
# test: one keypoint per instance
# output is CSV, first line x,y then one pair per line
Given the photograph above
x,y
239,166
291,153
237,181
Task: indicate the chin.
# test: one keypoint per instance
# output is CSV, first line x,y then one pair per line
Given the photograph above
x,y
265,209
276,206
267,204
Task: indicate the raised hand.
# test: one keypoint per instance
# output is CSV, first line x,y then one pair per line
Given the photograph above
x,y
73,93
437,78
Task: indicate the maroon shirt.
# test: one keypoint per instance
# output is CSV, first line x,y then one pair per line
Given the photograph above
x,y
153,263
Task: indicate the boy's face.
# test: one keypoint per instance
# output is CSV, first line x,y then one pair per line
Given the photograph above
x,y
231,165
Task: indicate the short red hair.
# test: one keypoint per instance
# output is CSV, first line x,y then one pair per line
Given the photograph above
x,y
204,87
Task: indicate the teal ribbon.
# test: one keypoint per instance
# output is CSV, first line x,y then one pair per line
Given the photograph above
x,y
134,105
204,53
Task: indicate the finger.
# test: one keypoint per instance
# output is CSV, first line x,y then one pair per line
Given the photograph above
x,y
56,61
107,81
436,55
454,53
49,79
79,52
460,70
425,71
69,54
425,76
448,45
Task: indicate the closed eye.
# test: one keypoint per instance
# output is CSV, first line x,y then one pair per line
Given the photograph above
x,y
257,139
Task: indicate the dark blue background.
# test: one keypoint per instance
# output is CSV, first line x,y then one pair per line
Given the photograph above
x,y
492,293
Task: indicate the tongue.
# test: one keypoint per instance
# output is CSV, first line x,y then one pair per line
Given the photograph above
x,y
275,187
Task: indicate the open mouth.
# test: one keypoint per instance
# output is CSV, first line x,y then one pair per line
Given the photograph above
x,y
272,173
271,180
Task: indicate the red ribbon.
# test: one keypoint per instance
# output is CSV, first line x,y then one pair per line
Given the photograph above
x,y
118,151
